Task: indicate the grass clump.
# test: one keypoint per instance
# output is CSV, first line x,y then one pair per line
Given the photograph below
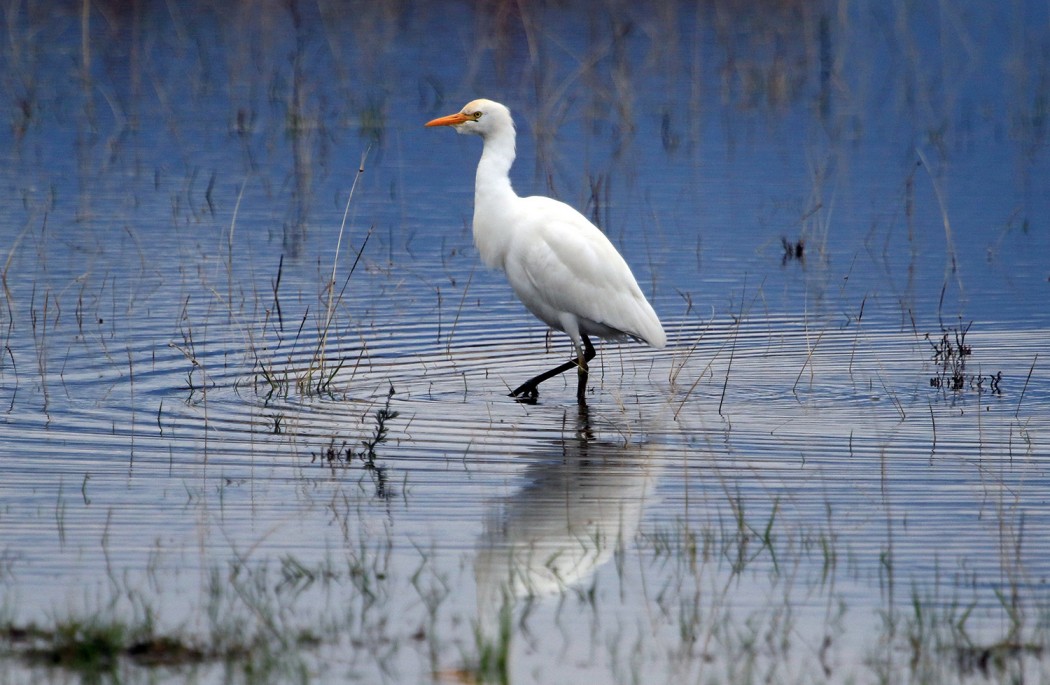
x,y
92,647
345,455
950,352
85,647
494,650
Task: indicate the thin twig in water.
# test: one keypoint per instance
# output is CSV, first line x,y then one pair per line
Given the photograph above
x,y
949,240
276,299
1028,378
707,367
732,350
7,266
330,313
809,357
318,363
229,247
342,227
933,422
725,383
459,310
893,398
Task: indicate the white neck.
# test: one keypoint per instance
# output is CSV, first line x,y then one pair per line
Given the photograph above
x,y
493,176
494,198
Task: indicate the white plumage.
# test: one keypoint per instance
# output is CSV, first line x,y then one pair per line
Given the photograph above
x,y
560,265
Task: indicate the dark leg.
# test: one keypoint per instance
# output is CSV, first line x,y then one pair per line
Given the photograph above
x,y
529,390
581,386
583,425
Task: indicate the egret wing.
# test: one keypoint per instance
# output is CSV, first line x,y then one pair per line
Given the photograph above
x,y
566,265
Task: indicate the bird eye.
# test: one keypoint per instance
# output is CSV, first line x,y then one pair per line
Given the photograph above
x,y
476,115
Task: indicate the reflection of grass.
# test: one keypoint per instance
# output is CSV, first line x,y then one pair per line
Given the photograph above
x,y
256,618
269,620
95,646
727,636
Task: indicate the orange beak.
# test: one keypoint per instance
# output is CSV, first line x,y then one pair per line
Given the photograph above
x,y
450,120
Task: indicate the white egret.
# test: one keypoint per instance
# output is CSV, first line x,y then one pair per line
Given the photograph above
x,y
560,265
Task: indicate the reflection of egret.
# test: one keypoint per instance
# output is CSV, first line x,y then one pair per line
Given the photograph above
x,y
562,268
577,507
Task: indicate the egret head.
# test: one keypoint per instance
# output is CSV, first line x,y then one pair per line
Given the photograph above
x,y
480,117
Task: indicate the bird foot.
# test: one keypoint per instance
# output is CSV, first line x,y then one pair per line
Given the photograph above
x,y
526,394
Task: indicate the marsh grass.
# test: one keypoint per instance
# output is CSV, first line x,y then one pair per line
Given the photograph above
x,y
950,353
277,373
259,618
264,623
92,648
249,631
344,455
319,362
492,664
932,640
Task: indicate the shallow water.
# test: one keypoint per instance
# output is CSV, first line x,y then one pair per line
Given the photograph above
x,y
783,493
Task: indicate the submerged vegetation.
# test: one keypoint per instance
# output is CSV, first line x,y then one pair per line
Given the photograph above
x,y
949,354
344,456
265,623
92,649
